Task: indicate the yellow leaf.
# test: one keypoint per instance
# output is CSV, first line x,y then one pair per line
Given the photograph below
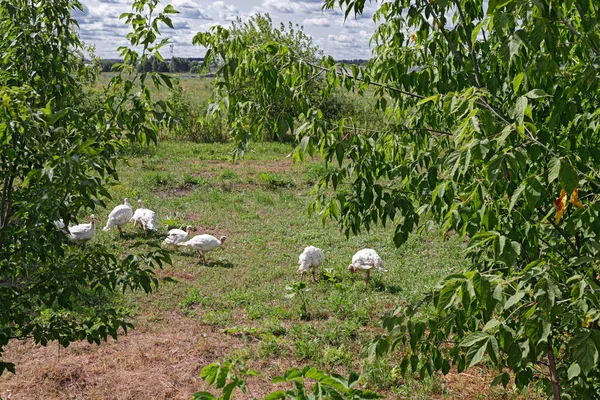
x,y
561,205
586,322
575,199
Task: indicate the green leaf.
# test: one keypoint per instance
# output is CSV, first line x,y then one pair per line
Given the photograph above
x,y
203,396
573,371
277,395
513,46
473,338
447,295
553,169
514,299
476,353
518,112
586,355
536,94
567,177
492,350
516,195
491,325
533,192
228,390
517,81
339,151
209,373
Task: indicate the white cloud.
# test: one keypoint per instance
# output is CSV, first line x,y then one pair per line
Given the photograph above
x,y
292,6
190,9
100,24
226,12
341,38
324,22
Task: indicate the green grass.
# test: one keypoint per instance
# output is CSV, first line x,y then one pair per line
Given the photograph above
x,y
261,204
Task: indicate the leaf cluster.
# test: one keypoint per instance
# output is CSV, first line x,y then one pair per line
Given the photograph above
x,y
59,146
325,386
492,132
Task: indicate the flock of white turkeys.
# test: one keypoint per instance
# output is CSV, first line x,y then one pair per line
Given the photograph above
x,y
364,260
122,214
312,257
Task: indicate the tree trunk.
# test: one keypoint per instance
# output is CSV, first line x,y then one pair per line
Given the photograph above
x,y
553,371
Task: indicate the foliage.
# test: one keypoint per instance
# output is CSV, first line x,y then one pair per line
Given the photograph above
x,y
194,67
178,64
59,146
188,124
238,97
154,64
299,291
491,114
107,65
325,386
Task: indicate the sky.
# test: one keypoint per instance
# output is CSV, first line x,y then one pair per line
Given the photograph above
x,y
100,25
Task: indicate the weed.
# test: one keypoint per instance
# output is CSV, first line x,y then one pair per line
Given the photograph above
x,y
160,180
272,346
229,175
298,291
307,350
174,220
273,180
194,297
276,328
313,172
336,356
219,318
193,180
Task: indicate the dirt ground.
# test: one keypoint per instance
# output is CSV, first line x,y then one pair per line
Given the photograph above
x,y
155,361
160,362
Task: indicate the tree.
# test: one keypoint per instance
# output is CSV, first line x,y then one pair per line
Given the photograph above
x,y
258,33
179,65
195,67
59,147
107,65
493,131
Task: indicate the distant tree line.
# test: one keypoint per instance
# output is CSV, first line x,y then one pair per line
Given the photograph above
x,y
153,64
354,61
180,64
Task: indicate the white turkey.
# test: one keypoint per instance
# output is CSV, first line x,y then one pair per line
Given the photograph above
x,y
145,217
175,236
83,232
204,243
310,258
365,260
120,215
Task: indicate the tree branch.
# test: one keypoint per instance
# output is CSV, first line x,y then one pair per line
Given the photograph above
x,y
441,28
470,43
6,199
564,235
3,202
553,370
382,85
558,251
576,32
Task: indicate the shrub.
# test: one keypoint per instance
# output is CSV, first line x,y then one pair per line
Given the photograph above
x,y
189,124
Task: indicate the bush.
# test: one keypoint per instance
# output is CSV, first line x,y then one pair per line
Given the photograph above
x,y
188,124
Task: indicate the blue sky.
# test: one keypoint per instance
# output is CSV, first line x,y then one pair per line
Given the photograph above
x,y
100,25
